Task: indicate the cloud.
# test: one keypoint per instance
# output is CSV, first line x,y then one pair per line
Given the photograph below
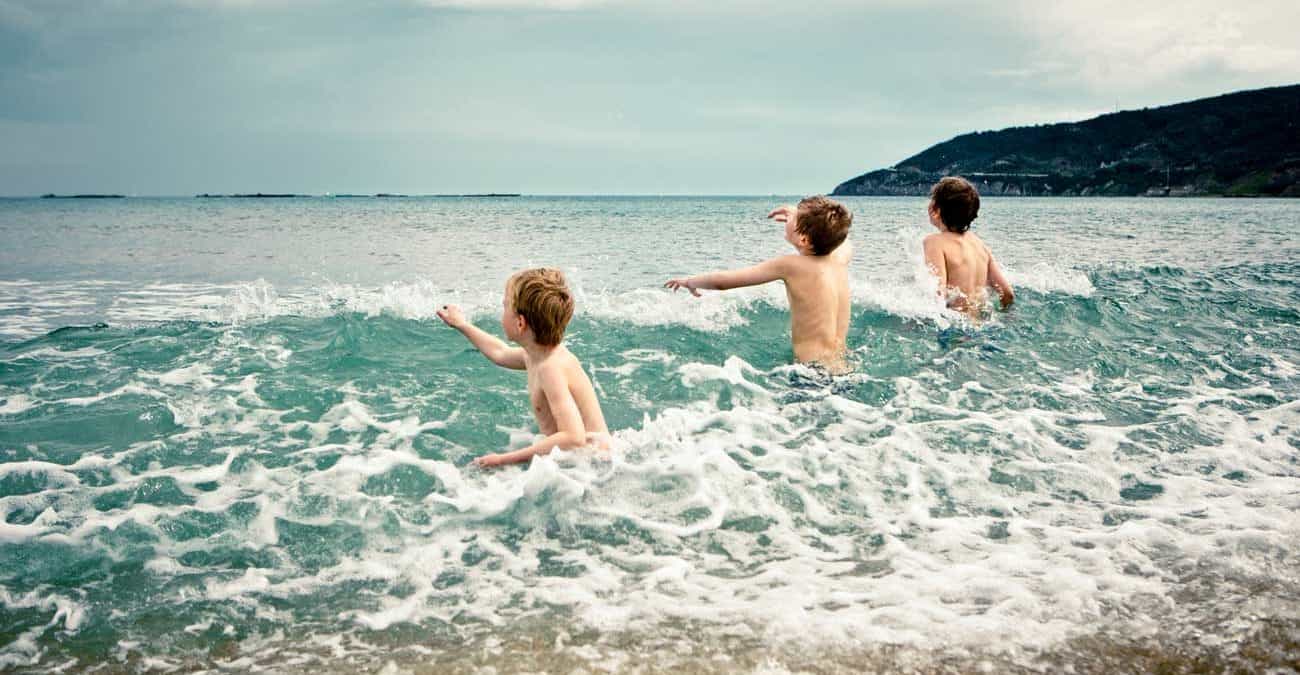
x,y
1119,44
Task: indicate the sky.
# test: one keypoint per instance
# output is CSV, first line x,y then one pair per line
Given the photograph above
x,y
177,97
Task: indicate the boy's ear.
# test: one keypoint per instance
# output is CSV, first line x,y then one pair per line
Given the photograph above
x,y
521,323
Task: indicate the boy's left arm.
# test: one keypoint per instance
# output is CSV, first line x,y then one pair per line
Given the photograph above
x,y
569,429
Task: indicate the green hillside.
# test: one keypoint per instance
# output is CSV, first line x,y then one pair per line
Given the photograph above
x,y
1241,144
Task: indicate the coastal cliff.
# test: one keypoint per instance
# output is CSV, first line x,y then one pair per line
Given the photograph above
x,y
1241,144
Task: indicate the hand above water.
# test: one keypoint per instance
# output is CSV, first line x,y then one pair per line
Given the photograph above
x,y
783,213
682,283
452,316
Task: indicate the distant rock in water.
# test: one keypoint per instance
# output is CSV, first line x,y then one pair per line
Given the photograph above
x,y
51,195
253,195
1245,144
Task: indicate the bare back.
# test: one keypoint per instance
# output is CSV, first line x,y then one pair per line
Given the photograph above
x,y
965,259
820,301
580,388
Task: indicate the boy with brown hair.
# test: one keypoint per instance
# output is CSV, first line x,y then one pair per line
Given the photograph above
x,y
964,264
535,311
816,279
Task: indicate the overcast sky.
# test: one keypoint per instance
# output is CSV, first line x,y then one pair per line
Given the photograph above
x,y
159,97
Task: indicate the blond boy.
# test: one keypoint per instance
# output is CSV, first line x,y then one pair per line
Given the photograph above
x,y
961,260
816,279
534,313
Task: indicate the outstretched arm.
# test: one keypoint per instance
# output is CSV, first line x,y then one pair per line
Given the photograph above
x,y
766,271
569,429
934,260
492,347
998,280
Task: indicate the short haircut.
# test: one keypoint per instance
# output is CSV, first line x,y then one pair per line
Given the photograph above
x,y
542,297
825,222
958,202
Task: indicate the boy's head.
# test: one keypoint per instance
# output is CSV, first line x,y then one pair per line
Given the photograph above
x,y
823,222
538,300
955,202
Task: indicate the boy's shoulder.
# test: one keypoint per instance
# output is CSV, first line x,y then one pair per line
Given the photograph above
x,y
559,361
785,263
979,243
934,244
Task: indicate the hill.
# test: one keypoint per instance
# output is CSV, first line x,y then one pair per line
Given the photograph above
x,y
1241,144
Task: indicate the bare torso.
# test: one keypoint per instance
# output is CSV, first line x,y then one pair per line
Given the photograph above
x,y
580,387
966,266
820,300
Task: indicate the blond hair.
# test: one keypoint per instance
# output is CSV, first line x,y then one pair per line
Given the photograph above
x,y
542,297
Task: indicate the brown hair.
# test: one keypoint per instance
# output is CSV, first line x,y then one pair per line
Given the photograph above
x,y
958,202
824,221
542,297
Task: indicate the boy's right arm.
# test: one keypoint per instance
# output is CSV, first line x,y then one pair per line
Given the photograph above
x,y
769,270
934,260
492,347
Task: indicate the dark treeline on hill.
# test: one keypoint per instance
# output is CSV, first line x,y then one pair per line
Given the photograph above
x,y
1242,144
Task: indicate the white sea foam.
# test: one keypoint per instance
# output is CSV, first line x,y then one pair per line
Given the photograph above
x,y
66,614
12,404
946,514
52,354
1049,278
52,304
940,577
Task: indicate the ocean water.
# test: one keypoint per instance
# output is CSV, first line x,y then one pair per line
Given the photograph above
x,y
233,437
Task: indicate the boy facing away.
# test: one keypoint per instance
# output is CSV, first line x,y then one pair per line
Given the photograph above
x,y
962,261
816,279
534,313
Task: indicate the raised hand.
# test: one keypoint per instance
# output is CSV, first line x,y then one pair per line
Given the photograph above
x,y
452,316
784,213
682,283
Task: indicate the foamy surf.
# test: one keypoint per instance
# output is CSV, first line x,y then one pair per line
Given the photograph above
x,y
274,476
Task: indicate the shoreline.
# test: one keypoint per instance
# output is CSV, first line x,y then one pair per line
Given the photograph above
x,y
542,645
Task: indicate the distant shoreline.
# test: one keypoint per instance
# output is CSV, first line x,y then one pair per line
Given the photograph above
x,y
378,195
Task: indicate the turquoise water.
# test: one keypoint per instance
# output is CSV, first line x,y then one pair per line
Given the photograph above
x,y
233,436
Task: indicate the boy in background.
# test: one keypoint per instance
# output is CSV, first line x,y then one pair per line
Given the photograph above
x,y
961,260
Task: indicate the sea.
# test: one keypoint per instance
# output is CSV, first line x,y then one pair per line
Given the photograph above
x,y
234,437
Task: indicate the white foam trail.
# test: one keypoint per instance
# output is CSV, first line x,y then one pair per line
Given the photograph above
x,y
1048,278
908,295
52,354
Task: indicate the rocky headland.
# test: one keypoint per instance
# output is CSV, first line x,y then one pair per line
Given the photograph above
x,y
1244,144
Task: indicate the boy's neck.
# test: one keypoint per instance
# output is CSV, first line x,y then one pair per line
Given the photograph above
x,y
538,352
